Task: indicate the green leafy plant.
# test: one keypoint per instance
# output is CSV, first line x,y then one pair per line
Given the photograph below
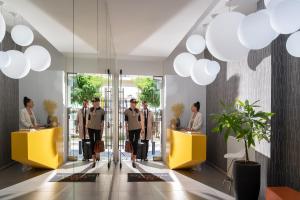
x,y
245,122
149,91
86,87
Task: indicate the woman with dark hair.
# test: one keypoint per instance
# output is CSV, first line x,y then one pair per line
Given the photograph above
x,y
196,121
27,117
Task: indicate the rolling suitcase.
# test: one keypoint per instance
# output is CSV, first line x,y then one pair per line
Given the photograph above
x,y
141,151
87,151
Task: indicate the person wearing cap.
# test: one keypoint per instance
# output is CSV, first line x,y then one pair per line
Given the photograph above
x,y
133,128
95,125
147,128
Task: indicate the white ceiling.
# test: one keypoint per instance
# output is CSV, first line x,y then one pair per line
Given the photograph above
x,y
152,28
140,28
54,20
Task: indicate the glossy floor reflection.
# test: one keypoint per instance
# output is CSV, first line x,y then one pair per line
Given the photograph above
x,y
112,184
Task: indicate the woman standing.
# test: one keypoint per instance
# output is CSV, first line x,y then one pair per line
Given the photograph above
x,y
196,121
133,128
95,125
27,117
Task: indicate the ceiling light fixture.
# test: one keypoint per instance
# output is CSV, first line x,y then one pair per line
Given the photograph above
x,y
183,64
22,35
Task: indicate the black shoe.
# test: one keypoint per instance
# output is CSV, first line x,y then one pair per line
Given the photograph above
x,y
133,165
94,165
146,160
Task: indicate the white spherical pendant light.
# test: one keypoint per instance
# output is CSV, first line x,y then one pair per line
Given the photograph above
x,y
255,31
271,3
222,39
199,74
22,35
4,59
2,27
183,64
39,58
285,16
293,44
212,68
18,67
195,44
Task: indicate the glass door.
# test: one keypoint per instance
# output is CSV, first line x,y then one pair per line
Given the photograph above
x,y
114,135
109,122
121,120
147,88
84,87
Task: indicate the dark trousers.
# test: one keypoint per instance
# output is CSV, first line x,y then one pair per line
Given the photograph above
x,y
94,136
134,136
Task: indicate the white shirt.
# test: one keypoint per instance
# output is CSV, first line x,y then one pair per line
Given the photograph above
x,y
196,123
25,119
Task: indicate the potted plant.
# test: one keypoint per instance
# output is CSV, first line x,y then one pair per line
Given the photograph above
x,y
246,123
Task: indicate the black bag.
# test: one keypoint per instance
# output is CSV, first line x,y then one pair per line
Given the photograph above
x,y
87,151
141,151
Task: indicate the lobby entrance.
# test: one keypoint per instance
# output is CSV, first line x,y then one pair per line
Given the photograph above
x,y
115,92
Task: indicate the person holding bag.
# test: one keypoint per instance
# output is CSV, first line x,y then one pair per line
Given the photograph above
x,y
133,128
95,126
147,131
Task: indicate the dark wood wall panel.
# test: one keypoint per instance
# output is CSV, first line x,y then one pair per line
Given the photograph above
x,y
285,162
9,109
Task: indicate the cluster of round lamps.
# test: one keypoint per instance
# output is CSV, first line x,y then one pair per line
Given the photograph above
x,y
230,36
16,64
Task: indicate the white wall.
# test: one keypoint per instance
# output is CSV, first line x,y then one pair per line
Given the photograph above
x,y
40,86
140,67
86,64
90,64
181,90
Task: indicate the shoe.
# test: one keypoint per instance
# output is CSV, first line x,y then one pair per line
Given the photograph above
x,y
94,165
146,160
133,165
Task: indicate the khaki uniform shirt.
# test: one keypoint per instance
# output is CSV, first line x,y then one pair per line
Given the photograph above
x,y
95,119
133,118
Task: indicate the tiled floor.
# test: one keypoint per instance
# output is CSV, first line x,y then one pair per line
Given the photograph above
x,y
112,184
